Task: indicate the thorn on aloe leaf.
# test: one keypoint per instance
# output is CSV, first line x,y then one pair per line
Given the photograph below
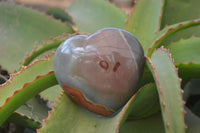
x,y
182,91
163,105
167,124
186,127
102,71
184,112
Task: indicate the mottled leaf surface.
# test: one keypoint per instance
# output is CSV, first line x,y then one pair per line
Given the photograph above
x,y
22,28
92,15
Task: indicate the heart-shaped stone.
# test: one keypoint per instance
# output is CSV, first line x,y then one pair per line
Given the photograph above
x,y
102,71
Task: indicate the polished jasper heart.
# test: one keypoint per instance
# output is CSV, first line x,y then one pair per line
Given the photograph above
x,y
102,71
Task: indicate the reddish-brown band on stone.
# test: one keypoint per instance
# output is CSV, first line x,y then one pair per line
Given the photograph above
x,y
79,98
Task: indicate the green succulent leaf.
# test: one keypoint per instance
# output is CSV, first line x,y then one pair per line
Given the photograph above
x,y
161,37
192,88
186,56
144,21
30,114
37,51
20,29
51,94
78,119
146,102
154,124
45,47
176,11
92,15
188,71
192,122
168,86
25,84
60,14
185,50
22,120
75,115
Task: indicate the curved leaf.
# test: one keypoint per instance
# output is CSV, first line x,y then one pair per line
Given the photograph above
x,y
20,29
24,121
30,114
150,124
168,86
46,46
185,51
51,94
146,102
69,117
192,122
144,21
161,37
176,11
77,119
188,71
60,14
24,85
92,15
192,88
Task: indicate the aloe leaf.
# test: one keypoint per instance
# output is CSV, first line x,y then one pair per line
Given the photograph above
x,y
60,14
21,120
37,51
168,86
188,71
144,21
30,114
146,102
188,61
185,50
20,29
76,119
161,37
69,117
192,88
191,95
192,122
25,84
150,124
176,11
92,15
51,94
51,44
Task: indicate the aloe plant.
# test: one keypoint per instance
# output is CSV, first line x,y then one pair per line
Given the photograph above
x,y
167,99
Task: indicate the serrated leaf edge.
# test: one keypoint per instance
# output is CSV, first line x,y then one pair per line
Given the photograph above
x,y
160,88
169,30
45,58
38,50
